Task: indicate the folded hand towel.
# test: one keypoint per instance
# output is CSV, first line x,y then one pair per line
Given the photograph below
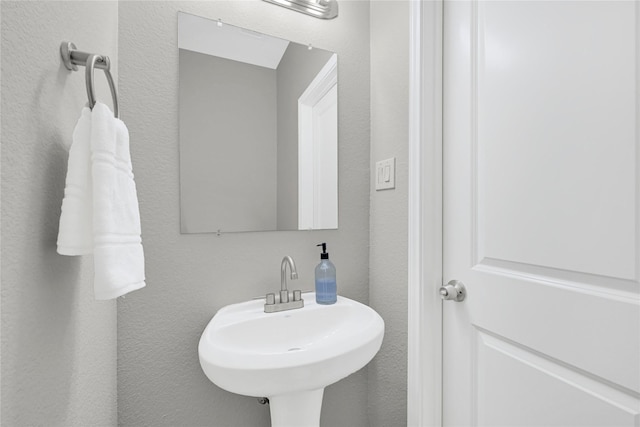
x,y
75,235
114,216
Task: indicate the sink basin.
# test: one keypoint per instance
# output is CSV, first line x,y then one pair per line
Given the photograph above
x,y
289,356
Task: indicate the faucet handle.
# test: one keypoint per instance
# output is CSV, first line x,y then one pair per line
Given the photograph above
x,y
284,296
297,295
271,299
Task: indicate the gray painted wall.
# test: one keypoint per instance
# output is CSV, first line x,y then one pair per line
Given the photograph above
x,y
189,277
297,69
58,343
228,138
388,223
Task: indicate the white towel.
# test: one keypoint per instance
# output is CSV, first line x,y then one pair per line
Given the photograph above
x,y
75,234
100,212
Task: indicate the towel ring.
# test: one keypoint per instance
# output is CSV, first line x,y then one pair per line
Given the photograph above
x,y
72,58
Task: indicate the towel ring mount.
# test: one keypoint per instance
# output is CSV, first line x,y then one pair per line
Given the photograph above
x,y
71,57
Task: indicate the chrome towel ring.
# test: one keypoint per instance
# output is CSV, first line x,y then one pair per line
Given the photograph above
x,y
71,57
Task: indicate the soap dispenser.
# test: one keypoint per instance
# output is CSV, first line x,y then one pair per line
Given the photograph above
x,y
326,286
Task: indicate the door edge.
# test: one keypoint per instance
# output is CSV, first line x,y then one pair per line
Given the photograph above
x,y
424,364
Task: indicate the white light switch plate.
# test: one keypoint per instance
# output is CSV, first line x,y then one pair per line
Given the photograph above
x,y
386,174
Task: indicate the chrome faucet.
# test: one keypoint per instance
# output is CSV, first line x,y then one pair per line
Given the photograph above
x,y
271,306
284,292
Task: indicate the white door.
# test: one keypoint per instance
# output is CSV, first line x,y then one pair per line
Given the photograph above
x,y
318,165
542,213
325,126
318,151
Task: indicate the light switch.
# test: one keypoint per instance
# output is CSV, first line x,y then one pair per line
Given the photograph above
x,y
386,174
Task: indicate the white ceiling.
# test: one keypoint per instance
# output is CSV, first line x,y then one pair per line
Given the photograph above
x,y
226,41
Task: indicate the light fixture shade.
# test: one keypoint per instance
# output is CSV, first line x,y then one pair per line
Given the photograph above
x,y
324,9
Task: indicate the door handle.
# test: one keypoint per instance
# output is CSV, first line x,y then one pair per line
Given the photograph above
x,y
454,290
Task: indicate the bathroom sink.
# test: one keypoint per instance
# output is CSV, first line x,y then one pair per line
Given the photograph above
x,y
289,356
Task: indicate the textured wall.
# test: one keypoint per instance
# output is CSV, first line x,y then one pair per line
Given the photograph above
x,y
388,261
189,277
58,344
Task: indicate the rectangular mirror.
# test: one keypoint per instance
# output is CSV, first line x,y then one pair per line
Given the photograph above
x,y
258,131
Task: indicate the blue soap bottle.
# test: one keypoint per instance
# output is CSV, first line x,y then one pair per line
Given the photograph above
x,y
326,286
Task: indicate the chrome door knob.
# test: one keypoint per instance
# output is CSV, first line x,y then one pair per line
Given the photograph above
x,y
454,290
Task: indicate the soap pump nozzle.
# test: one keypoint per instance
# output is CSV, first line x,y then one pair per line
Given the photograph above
x,y
324,254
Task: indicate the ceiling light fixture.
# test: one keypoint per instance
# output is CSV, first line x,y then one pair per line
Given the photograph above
x,y
323,9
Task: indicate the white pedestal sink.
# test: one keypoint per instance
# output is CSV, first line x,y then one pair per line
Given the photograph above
x,y
289,356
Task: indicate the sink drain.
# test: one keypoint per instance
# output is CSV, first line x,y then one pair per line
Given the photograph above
x,y
295,349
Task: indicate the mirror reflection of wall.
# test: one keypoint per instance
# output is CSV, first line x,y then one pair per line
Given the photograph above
x,y
258,131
